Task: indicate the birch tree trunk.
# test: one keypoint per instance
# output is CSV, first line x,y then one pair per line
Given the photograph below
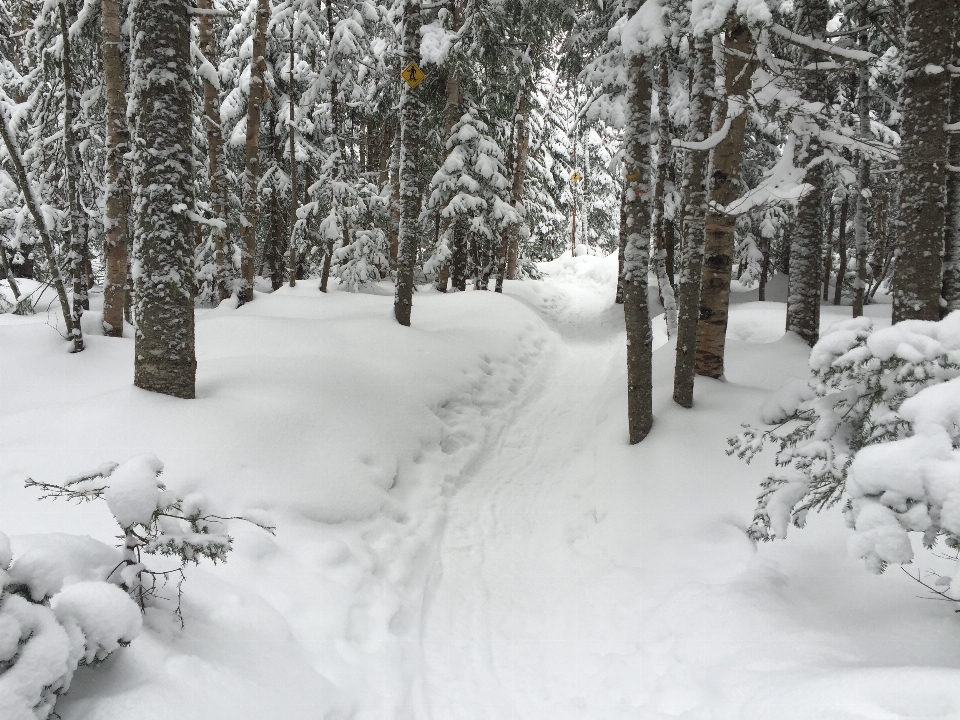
x,y
411,115
33,205
165,360
923,158
635,234
696,173
724,188
216,155
117,190
251,174
658,222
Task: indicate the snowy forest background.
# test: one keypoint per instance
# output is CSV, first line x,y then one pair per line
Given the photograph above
x,y
703,228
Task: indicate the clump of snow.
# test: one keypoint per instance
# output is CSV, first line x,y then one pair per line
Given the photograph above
x,y
133,491
647,30
709,16
51,561
43,640
102,613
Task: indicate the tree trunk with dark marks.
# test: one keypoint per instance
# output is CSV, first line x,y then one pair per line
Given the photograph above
x,y
724,189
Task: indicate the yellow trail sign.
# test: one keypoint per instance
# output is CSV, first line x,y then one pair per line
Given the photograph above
x,y
412,75
576,177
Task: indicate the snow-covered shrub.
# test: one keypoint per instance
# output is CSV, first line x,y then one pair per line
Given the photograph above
x,y
56,612
878,422
69,601
360,262
154,520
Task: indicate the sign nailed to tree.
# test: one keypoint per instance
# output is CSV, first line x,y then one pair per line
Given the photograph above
x,y
412,75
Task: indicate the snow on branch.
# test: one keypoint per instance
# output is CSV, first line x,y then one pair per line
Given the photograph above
x,y
646,30
821,45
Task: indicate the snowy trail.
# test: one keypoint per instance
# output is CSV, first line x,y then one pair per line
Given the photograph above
x,y
518,622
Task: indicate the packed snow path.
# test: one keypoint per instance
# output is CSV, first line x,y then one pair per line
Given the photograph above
x,y
522,618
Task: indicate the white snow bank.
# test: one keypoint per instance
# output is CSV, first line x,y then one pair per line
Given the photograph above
x,y
349,429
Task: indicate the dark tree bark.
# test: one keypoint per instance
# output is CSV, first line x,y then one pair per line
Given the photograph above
x,y
923,157
411,113
841,252
251,173
165,360
803,295
696,173
294,200
724,189
861,210
216,157
117,191
951,239
635,232
828,251
77,228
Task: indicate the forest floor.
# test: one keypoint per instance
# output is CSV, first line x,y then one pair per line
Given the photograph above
x,y
463,532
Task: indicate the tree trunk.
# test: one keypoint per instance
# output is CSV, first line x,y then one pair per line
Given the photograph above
x,y
923,157
394,199
30,198
165,360
117,191
803,294
659,225
452,112
77,224
251,173
828,252
863,188
841,252
696,173
411,115
764,271
724,189
636,240
294,200
216,157
621,246
519,173
951,239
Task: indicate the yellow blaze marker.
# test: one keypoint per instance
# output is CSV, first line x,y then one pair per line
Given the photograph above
x,y
412,75
576,177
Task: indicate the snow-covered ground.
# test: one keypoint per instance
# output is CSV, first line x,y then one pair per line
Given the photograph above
x,y
463,530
